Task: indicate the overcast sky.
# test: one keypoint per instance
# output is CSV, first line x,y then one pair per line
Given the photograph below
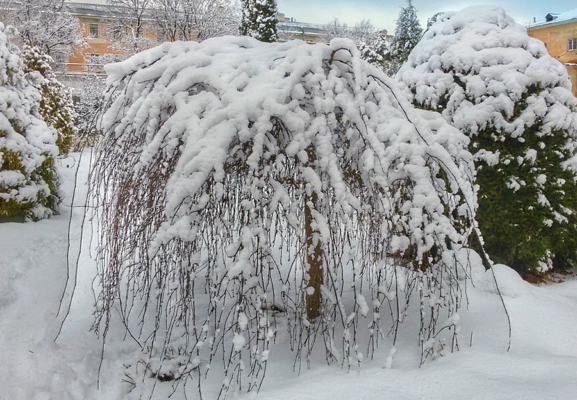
x,y
383,14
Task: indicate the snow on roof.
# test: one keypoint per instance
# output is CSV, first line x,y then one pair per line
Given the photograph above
x,y
555,19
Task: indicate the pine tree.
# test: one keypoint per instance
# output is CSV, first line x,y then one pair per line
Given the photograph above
x,y
408,32
28,178
259,20
514,102
56,105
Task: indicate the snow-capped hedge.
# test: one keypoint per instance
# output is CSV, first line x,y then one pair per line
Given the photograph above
x,y
489,79
28,180
233,167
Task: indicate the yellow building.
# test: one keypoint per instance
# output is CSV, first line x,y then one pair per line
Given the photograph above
x,y
559,33
96,21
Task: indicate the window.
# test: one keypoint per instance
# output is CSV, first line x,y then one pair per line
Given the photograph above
x,y
94,30
572,44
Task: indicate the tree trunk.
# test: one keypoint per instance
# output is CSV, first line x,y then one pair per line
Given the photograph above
x,y
313,252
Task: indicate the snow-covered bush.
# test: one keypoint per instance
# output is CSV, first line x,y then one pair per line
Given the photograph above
x,y
244,186
89,99
28,180
489,79
56,105
376,52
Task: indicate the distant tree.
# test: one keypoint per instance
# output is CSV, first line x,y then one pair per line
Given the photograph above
x,y
127,30
89,103
195,19
408,32
259,20
364,32
56,105
335,29
45,24
255,179
514,102
28,178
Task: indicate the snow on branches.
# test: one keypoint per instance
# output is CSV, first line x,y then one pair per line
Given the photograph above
x,y
246,186
28,181
46,24
489,79
259,20
56,105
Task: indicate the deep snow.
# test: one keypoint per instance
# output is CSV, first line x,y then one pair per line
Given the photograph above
x,y
541,364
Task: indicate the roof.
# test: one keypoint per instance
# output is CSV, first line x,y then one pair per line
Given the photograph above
x,y
94,9
552,19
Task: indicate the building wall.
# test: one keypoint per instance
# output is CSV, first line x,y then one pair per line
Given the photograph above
x,y
556,39
102,45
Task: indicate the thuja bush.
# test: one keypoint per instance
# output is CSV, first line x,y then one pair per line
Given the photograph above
x,y
488,78
240,182
28,179
56,104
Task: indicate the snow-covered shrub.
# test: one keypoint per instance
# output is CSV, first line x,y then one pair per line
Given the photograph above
x,y
374,51
89,99
488,78
28,180
56,105
241,183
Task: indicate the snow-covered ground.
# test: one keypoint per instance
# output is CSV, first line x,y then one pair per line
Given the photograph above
x,y
541,364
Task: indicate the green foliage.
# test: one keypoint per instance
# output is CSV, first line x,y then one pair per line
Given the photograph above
x,y
408,32
520,196
514,103
28,178
56,105
259,20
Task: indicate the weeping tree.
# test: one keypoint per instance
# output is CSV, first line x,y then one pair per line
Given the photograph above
x,y
28,178
243,188
488,78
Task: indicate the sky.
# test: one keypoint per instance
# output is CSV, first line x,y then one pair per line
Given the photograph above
x,y
383,14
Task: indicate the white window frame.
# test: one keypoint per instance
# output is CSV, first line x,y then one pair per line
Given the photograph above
x,y
90,26
572,44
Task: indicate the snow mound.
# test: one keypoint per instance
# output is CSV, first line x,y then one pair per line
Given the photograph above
x,y
469,264
509,281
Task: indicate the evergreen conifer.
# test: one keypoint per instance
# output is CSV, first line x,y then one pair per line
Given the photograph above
x,y
56,105
28,178
259,20
492,81
407,34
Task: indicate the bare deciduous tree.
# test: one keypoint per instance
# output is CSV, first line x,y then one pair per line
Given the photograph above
x,y
45,24
195,19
